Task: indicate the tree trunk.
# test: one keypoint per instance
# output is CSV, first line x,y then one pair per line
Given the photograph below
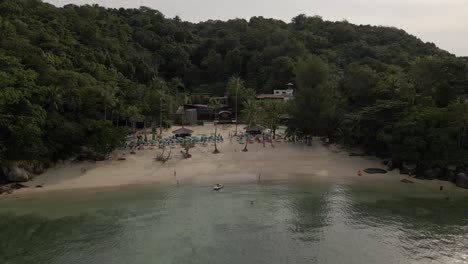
x,y
144,128
216,132
274,133
153,129
263,136
246,142
309,140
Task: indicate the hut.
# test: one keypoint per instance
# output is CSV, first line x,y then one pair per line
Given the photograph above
x,y
182,132
225,117
254,129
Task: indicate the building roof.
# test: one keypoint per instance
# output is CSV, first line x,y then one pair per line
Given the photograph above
x,y
182,131
271,96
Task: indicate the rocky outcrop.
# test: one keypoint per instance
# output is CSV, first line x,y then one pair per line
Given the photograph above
x,y
450,176
462,180
432,174
391,165
408,169
34,168
374,170
18,175
357,154
406,181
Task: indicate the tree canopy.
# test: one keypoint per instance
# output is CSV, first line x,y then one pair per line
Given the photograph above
x,y
71,77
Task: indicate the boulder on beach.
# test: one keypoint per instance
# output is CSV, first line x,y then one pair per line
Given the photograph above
x,y
375,170
38,168
17,186
406,181
357,154
462,180
432,174
34,168
391,165
450,176
408,169
18,175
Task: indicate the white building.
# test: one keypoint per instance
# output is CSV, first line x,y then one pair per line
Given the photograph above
x,y
285,95
287,92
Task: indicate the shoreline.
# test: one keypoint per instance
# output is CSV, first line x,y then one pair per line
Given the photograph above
x,y
285,161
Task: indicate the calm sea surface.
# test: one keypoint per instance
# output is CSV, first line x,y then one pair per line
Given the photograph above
x,y
276,222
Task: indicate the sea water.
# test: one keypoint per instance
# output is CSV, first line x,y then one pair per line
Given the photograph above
x,y
269,222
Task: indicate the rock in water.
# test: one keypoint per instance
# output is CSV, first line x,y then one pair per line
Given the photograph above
x,y
462,180
375,170
18,175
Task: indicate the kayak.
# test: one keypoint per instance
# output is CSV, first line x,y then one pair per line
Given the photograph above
x,y
218,187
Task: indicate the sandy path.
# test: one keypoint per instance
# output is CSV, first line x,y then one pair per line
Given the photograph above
x,y
285,161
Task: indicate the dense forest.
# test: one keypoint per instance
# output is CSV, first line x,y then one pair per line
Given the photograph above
x,y
69,76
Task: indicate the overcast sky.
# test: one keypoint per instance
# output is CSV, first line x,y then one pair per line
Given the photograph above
x,y
444,22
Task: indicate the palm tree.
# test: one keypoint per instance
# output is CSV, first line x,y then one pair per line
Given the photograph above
x,y
54,95
251,113
108,98
133,113
215,105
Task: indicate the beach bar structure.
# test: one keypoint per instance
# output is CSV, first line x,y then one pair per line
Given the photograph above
x,y
254,130
182,132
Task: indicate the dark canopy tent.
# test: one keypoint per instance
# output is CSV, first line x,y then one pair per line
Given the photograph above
x,y
182,132
255,129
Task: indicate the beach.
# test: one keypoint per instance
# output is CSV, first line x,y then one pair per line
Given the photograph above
x,y
282,161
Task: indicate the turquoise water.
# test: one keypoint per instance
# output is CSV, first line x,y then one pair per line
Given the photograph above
x,y
244,223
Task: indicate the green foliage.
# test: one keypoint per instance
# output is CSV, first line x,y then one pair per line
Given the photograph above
x,y
101,138
313,108
187,145
70,76
238,94
251,112
271,112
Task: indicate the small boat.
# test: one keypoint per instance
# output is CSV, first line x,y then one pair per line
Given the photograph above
x,y
218,187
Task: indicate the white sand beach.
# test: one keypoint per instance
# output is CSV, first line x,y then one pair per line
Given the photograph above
x,y
286,160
